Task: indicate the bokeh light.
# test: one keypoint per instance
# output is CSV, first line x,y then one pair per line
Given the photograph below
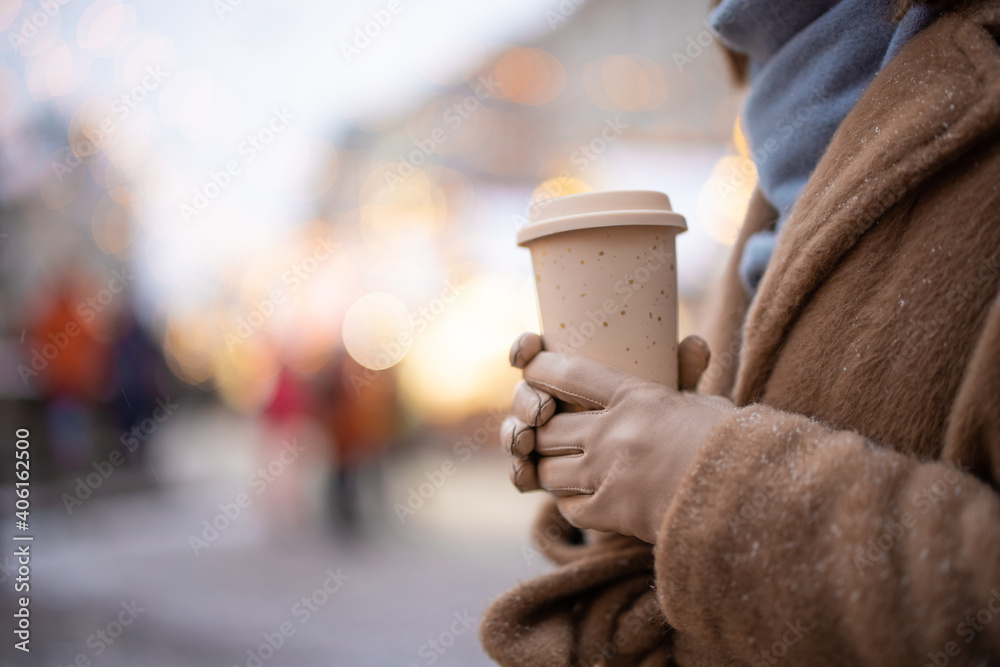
x,y
459,366
559,186
626,82
723,199
399,196
105,27
530,76
378,332
56,71
740,140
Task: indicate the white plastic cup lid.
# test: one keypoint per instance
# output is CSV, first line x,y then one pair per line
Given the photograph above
x,y
612,208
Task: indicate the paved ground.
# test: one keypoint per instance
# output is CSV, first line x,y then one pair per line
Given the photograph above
x,y
406,594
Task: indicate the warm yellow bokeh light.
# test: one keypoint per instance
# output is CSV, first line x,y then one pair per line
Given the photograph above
x,y
242,394
377,330
399,196
190,346
458,366
530,76
560,186
740,140
723,199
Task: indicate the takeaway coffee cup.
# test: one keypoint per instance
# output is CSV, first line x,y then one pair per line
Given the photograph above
x,y
606,275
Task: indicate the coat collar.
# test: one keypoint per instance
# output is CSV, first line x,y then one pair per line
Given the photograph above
x,y
928,105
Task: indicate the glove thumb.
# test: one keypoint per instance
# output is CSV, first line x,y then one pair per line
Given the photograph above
x,y
692,360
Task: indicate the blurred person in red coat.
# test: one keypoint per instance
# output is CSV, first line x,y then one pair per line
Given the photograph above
x,y
362,416
67,363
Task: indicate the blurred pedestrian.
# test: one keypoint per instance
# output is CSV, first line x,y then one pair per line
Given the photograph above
x,y
362,416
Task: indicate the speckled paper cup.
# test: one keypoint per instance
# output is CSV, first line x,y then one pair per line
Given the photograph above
x,y
606,273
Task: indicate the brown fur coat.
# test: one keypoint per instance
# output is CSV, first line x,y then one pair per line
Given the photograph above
x,y
848,513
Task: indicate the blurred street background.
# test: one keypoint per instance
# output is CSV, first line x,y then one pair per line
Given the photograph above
x,y
258,280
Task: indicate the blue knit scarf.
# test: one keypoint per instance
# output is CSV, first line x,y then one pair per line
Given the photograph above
x,y
810,60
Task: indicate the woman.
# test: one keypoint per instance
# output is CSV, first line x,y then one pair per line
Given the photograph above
x,y
830,496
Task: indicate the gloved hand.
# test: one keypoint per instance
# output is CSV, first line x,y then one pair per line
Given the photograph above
x,y
615,465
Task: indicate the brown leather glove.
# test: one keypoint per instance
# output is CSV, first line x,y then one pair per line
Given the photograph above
x,y
615,465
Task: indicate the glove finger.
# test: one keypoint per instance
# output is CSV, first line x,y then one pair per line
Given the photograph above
x,y
532,406
524,475
576,379
565,475
693,356
565,433
516,437
524,349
